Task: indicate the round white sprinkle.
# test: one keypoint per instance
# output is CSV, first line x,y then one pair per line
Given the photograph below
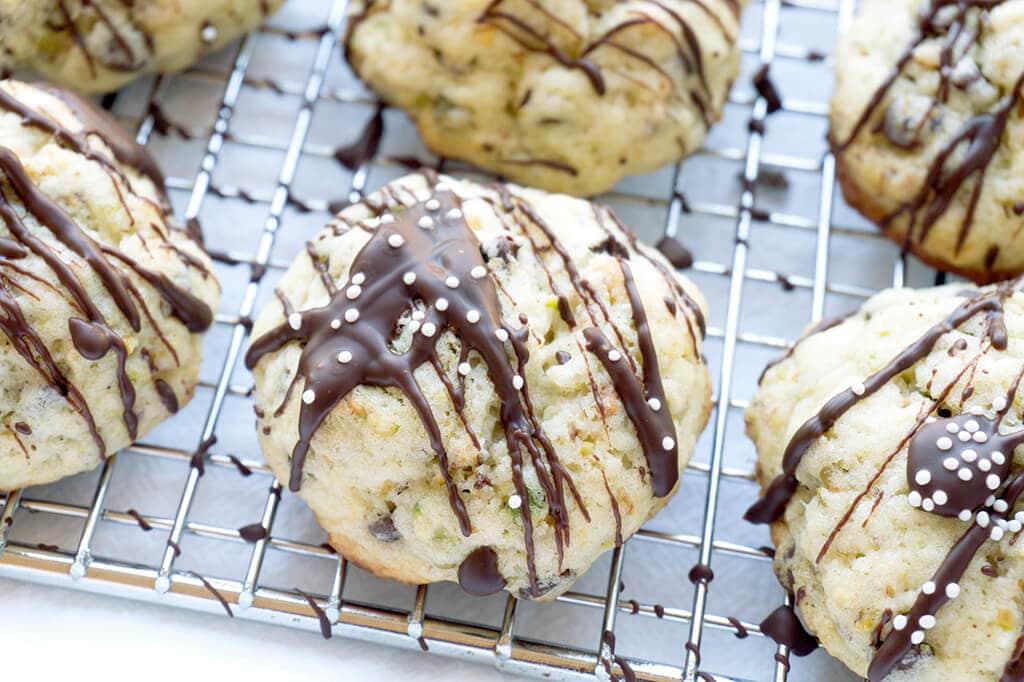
x,y
992,481
478,272
952,427
428,329
464,368
984,464
501,334
928,587
387,219
295,321
353,292
473,316
952,590
426,222
419,315
968,455
614,355
964,515
980,437
335,323
923,477
432,205
899,622
990,500
453,214
358,278
395,241
1014,526
983,519
996,533
944,443
409,278
667,443
1000,506
308,396
452,282
414,326
517,382
914,498
209,33
917,636
928,505
972,425
927,621
998,458
964,436
441,304
950,463
351,315
345,357
515,502
654,404
858,388
999,404
964,474
940,497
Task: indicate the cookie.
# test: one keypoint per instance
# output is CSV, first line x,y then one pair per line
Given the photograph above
x,y
100,45
926,128
888,451
568,96
103,298
486,384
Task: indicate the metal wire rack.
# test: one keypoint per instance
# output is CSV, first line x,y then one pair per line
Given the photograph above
x,y
248,138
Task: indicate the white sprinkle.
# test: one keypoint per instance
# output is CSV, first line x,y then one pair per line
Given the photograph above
x,y
964,436
428,329
952,427
614,355
295,321
452,282
940,497
426,222
914,498
990,500
950,463
358,278
478,272
923,477
1014,526
858,388
409,278
996,534
335,323
1000,506
928,587
930,420
441,187
983,519
977,410
209,33
387,219
441,304
654,404
345,357
353,292
968,455
432,205
414,326
964,515
351,315
927,621
1019,516
992,481
998,458
515,502
464,368
917,636
952,590
984,464
944,443
999,404
899,622
965,474
419,315
980,437
395,241
517,382
928,505
667,443
473,316
501,334
308,396
453,214
972,425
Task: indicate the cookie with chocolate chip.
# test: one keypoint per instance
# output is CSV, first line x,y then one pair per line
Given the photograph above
x,y
103,297
483,384
927,130
568,96
100,45
888,451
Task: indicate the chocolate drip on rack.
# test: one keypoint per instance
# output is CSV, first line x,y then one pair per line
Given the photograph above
x,y
785,628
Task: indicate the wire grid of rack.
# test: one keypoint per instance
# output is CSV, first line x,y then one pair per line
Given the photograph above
x,y
250,155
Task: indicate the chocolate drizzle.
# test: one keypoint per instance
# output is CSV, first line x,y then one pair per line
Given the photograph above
x,y
479,573
785,628
364,148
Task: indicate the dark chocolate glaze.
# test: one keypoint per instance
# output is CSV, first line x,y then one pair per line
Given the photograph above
x,y
701,573
677,254
214,591
364,147
139,519
628,675
254,532
321,615
766,88
785,628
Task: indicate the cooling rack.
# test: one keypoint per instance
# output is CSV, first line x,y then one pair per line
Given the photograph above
x,y
248,139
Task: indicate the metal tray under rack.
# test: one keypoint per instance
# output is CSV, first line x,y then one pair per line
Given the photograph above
x,y
247,139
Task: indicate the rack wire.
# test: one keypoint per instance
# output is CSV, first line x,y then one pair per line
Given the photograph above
x,y
248,138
